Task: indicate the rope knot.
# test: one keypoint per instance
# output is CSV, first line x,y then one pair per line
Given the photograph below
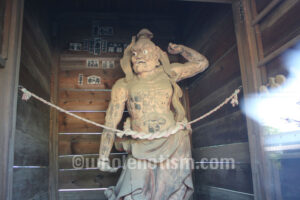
x,y
184,125
26,94
235,100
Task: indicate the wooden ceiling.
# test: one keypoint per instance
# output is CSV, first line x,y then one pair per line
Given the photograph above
x,y
135,7
118,6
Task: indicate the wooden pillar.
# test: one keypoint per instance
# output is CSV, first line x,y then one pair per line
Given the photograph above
x,y
252,78
9,76
53,138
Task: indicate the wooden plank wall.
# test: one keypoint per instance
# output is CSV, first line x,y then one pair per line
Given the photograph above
x,y
91,101
224,133
278,28
30,178
9,87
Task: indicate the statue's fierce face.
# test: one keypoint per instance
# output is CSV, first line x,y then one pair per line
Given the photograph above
x,y
145,56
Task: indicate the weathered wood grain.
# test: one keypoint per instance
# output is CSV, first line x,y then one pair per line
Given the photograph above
x,y
214,193
281,26
213,100
265,11
285,47
262,4
38,187
207,24
84,104
228,129
220,73
83,195
32,60
78,144
239,152
70,124
66,162
53,135
238,179
214,46
92,178
83,95
251,79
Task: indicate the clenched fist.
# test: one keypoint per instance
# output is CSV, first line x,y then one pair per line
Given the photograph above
x,y
175,48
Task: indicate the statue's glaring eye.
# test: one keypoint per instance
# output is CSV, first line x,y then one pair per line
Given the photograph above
x,y
134,53
145,51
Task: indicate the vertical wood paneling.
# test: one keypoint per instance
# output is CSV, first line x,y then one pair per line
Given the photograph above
x,y
8,100
224,133
31,150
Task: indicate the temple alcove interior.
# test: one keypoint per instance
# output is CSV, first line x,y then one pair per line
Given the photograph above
x,y
70,54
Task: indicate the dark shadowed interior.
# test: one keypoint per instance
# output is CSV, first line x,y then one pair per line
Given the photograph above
x,y
58,38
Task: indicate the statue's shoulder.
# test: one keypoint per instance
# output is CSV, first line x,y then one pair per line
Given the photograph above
x,y
120,84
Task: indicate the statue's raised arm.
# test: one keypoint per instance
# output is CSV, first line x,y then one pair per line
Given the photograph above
x,y
196,62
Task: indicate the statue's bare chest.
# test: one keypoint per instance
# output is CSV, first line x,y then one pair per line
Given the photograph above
x,y
155,95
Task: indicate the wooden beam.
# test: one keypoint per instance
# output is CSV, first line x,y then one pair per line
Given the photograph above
x,y
265,11
279,13
53,137
278,51
252,78
9,77
210,1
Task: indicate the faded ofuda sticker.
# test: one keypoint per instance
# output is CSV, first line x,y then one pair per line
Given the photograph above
x,y
80,79
108,64
92,63
93,80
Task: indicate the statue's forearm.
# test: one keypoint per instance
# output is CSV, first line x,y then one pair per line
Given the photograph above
x,y
107,141
113,117
196,62
192,56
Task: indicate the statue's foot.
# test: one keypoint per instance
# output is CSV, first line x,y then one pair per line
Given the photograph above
x,y
105,167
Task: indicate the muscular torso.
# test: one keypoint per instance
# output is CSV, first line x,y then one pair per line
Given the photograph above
x,y
149,104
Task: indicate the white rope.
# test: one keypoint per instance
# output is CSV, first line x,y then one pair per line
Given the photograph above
x,y
138,135
234,102
27,94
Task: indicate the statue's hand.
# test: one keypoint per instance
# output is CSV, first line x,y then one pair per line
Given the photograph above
x,y
105,167
175,48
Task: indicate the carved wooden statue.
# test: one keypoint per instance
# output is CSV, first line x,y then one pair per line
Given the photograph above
x,y
150,91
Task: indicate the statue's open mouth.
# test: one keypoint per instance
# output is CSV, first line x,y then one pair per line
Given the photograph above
x,y
140,61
